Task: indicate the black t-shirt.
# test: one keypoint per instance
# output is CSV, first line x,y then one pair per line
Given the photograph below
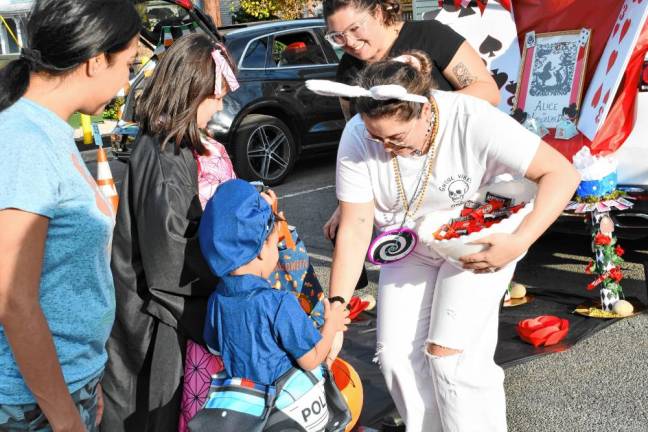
x,y
438,40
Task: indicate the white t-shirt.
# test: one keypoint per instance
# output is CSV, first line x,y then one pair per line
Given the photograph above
x,y
475,143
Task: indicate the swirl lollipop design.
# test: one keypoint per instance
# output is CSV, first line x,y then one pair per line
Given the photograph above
x,y
392,246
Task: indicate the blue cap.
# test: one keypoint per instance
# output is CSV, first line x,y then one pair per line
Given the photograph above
x,y
233,227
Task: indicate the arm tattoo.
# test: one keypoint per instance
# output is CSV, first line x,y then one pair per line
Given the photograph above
x,y
463,75
361,220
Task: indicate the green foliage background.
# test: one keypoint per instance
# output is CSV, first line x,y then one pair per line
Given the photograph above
x,y
259,10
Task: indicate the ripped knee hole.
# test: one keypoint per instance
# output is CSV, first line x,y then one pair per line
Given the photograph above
x,y
440,351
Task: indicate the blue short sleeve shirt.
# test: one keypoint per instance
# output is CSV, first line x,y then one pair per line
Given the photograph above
x,y
42,172
259,331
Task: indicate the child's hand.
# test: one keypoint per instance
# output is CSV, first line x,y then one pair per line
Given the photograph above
x,y
336,315
271,199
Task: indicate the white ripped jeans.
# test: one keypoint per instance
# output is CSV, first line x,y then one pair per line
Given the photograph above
x,y
424,301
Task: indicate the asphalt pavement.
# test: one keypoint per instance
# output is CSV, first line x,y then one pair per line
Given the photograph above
x,y
600,384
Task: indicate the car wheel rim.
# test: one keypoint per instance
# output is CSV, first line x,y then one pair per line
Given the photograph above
x,y
268,152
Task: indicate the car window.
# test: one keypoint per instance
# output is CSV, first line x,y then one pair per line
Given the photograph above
x,y
164,21
339,52
296,49
255,55
8,30
334,54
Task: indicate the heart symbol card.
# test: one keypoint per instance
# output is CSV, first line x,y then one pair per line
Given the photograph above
x,y
611,66
489,27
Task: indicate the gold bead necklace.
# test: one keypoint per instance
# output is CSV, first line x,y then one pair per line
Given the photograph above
x,y
417,198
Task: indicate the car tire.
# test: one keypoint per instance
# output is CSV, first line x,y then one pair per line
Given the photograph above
x,y
264,149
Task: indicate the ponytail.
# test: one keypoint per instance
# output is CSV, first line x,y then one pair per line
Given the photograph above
x,y
14,80
64,34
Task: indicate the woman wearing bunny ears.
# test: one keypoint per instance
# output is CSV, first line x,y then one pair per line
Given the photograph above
x,y
371,30
437,322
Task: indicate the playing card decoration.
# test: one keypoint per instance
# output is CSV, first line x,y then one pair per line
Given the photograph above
x,y
551,77
457,5
489,27
611,66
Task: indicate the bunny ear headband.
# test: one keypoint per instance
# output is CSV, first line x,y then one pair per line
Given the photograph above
x,y
223,70
379,92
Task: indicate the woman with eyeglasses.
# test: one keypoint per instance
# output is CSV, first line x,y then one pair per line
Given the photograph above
x,y
437,323
371,30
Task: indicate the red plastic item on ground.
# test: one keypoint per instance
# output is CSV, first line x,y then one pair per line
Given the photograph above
x,y
544,330
356,306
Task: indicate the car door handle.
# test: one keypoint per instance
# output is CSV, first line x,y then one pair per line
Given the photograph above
x,y
286,88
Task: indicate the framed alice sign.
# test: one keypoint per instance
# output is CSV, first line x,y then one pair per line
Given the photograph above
x,y
551,75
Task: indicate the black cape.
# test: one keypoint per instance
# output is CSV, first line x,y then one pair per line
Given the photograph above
x,y
162,284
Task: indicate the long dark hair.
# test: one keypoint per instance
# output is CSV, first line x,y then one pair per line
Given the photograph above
x,y
182,80
391,9
63,34
415,80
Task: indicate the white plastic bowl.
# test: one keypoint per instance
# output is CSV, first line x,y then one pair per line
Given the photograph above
x,y
520,190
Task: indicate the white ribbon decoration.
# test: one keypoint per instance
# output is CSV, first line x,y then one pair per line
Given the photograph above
x,y
379,92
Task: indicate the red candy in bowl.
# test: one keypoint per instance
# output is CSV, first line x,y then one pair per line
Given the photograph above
x,y
495,208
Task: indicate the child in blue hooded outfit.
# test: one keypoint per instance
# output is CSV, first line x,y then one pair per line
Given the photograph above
x,y
265,338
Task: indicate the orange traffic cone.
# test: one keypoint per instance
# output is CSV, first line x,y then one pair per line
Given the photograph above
x,y
105,179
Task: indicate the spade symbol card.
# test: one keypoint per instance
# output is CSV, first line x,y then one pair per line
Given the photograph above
x,y
490,46
489,27
611,67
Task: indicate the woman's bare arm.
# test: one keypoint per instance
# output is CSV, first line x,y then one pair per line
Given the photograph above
x,y
22,242
352,240
468,74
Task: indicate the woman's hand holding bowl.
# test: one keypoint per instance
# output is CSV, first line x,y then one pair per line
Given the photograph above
x,y
503,249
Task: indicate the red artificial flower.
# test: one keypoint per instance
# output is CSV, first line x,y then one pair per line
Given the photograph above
x,y
619,250
601,239
543,330
616,274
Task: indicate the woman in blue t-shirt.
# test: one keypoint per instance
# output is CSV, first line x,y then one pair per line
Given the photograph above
x,y
56,290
